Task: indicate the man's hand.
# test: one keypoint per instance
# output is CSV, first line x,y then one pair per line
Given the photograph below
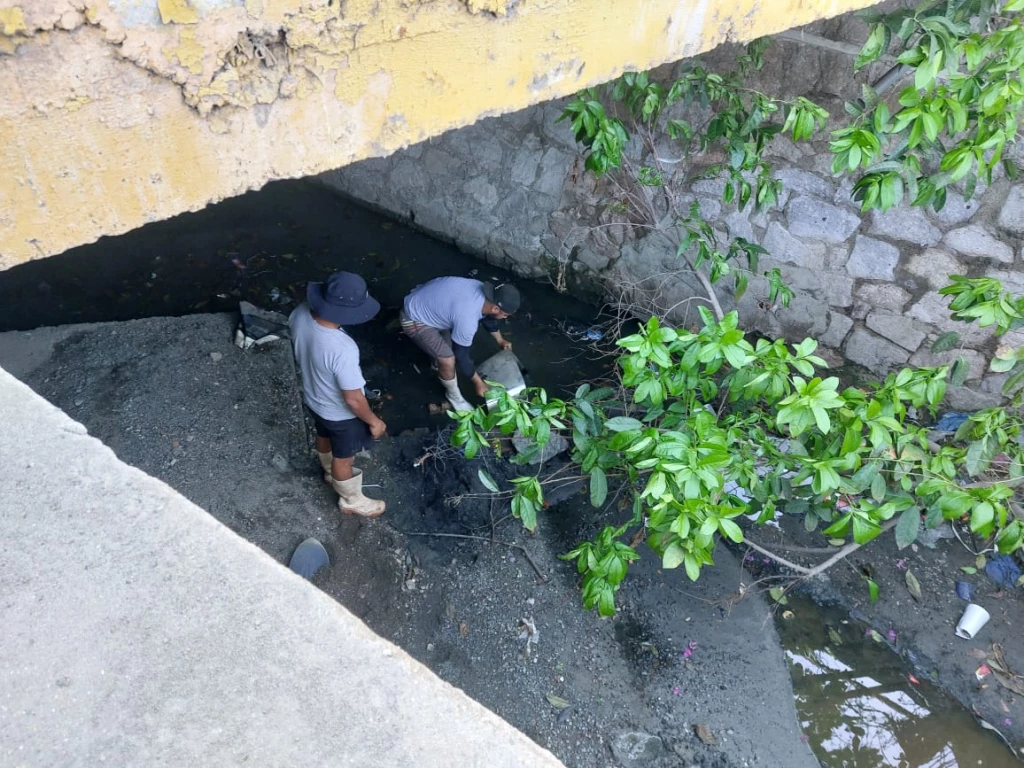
x,y
481,386
377,429
503,343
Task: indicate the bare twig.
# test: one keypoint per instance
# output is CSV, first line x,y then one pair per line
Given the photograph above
x,y
777,558
809,573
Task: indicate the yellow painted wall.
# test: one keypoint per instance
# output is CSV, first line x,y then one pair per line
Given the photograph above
x,y
132,111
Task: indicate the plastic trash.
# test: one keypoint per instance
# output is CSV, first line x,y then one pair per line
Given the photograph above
x,y
503,368
275,295
593,334
1003,570
975,617
259,326
965,590
951,421
309,557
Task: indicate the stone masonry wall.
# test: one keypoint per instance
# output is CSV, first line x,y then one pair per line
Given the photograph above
x,y
513,190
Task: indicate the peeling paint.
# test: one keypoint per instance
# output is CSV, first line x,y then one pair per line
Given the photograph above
x,y
494,7
12,21
177,12
188,51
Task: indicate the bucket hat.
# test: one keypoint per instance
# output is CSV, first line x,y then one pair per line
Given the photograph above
x,y
342,299
505,295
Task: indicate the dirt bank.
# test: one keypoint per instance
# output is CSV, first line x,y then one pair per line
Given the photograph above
x,y
176,399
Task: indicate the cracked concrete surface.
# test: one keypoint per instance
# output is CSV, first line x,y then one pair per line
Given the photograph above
x,y
118,113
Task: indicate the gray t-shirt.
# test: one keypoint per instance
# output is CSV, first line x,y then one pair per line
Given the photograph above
x,y
448,304
328,362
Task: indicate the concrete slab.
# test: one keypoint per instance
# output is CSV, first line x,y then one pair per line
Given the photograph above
x,y
138,630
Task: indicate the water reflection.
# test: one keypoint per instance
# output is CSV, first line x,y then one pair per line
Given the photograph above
x,y
860,710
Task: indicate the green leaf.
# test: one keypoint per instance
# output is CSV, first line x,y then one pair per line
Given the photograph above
x,y
692,567
557,701
778,594
907,527
958,374
878,488
487,480
872,590
946,342
913,586
623,424
969,570
673,557
730,529
598,486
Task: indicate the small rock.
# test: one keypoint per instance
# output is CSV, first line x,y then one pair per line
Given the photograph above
x,y
280,463
821,221
975,240
873,259
704,734
216,356
637,748
78,401
907,224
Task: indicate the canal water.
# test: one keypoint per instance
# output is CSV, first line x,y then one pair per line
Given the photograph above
x,y
860,706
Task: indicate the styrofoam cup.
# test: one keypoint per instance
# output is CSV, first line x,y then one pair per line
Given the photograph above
x,y
975,617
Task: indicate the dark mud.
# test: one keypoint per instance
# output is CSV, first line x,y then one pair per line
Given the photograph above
x,y
224,427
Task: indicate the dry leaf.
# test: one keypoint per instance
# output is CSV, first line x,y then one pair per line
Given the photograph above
x,y
463,628
913,586
704,734
977,653
557,701
834,637
787,615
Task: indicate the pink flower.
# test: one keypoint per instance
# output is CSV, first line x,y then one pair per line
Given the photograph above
x,y
1007,721
891,634
690,648
675,690
901,564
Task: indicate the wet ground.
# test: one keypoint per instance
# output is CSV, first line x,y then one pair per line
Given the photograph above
x,y
173,397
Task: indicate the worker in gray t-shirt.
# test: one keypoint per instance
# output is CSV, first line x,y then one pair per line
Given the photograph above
x,y
456,306
332,383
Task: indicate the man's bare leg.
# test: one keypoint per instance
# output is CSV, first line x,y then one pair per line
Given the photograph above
x,y
341,469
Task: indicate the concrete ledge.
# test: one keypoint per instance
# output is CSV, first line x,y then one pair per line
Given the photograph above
x,y
140,631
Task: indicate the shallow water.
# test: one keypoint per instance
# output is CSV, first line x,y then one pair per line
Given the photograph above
x,y
859,707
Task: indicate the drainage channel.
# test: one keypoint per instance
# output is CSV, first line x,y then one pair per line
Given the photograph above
x,y
860,706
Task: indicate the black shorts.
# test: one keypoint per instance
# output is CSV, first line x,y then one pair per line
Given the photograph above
x,y
347,437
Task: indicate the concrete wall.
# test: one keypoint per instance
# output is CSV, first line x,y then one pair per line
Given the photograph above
x,y
137,630
115,113
513,189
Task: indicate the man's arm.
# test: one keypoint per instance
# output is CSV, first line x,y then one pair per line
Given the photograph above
x,y
467,368
491,326
357,403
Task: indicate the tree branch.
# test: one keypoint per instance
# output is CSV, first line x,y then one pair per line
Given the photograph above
x,y
809,573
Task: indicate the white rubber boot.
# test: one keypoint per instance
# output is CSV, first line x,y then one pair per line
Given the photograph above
x,y
351,500
459,403
326,460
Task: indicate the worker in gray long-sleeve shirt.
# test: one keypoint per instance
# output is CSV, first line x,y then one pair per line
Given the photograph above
x,y
457,305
